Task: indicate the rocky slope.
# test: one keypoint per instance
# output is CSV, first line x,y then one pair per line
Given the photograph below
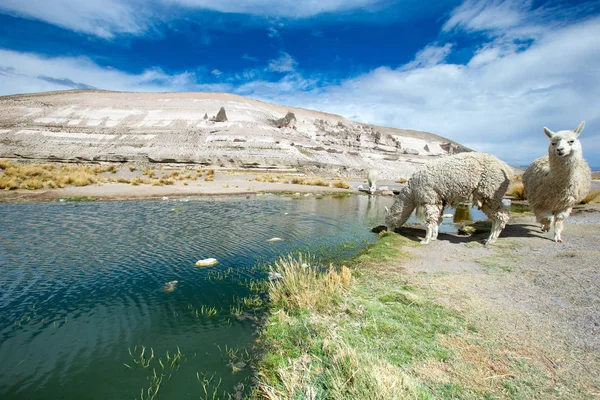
x,y
192,128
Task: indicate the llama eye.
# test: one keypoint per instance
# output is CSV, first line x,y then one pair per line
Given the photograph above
x,y
553,144
571,141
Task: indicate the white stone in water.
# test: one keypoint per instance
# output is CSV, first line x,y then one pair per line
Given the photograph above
x,y
448,216
207,262
275,239
165,198
506,202
170,286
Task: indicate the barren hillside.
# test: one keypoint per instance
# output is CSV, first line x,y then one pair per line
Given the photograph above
x,y
185,128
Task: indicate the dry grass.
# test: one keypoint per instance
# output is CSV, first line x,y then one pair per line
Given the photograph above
x,y
303,285
401,180
310,182
517,190
340,185
37,176
209,178
210,172
592,197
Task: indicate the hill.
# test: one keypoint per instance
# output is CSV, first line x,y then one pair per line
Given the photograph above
x,y
187,128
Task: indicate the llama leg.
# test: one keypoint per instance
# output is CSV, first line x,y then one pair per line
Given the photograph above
x,y
546,222
559,219
499,216
431,222
436,229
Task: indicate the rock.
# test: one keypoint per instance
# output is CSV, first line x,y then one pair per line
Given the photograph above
x,y
413,152
221,115
165,198
448,216
205,116
207,262
289,121
387,193
379,228
275,239
170,286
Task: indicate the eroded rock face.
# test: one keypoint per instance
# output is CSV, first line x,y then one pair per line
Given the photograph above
x,y
289,121
143,127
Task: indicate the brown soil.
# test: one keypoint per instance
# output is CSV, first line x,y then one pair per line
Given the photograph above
x,y
532,294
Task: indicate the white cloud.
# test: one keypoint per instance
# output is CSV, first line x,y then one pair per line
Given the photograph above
x,y
99,18
249,58
429,56
216,72
285,63
478,15
27,72
497,103
278,8
108,18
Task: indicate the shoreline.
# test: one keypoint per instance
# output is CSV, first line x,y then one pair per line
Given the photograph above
x,y
453,319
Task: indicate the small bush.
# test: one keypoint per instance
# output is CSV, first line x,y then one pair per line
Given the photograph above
x,y
517,190
210,172
209,178
401,180
4,164
341,185
166,181
131,167
304,285
592,197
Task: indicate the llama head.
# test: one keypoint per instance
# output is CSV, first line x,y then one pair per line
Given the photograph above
x,y
400,211
564,144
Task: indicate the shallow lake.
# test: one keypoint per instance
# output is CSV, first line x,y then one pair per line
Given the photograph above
x,y
86,311
83,284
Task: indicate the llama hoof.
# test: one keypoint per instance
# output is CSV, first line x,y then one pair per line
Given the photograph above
x,y
424,242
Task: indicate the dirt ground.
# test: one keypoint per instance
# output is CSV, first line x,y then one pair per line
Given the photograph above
x,y
526,289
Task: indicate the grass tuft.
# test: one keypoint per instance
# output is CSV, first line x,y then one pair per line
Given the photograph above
x,y
517,190
340,185
592,197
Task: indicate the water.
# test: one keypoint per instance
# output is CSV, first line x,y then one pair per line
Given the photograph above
x,y
82,284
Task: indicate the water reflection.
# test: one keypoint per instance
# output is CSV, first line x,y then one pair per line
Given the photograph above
x,y
84,282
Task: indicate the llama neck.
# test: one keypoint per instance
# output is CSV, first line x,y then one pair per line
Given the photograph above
x,y
408,203
560,166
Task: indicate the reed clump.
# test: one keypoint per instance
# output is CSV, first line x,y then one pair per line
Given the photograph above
x,y
301,284
517,190
592,197
38,176
340,185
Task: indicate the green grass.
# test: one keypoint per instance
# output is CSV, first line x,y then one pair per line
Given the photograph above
x,y
379,335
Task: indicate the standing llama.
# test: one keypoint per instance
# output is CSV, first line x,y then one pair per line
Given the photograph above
x,y
556,182
448,181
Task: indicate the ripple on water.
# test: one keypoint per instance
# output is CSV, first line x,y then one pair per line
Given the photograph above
x,y
83,282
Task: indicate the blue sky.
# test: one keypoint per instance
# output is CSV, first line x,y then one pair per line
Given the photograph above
x,y
488,74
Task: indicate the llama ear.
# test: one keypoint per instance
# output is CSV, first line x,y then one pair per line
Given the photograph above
x,y
549,133
387,210
579,128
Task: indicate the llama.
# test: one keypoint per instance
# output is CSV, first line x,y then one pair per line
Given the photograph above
x,y
448,181
556,182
